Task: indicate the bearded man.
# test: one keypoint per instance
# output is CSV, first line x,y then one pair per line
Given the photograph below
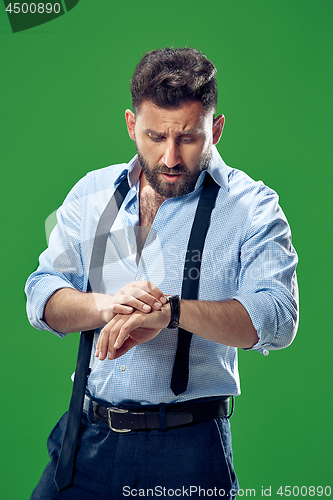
x,y
171,262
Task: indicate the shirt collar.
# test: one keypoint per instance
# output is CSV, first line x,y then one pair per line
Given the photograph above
x,y
217,169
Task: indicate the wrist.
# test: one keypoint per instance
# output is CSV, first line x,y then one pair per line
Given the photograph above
x,y
166,311
104,305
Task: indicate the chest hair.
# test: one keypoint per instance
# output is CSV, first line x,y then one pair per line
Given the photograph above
x,y
150,202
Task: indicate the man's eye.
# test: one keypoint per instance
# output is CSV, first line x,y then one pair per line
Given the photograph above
x,y
156,138
185,140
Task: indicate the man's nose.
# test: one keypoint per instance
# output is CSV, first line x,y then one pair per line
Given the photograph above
x,y
171,156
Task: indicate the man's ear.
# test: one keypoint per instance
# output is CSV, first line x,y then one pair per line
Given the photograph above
x,y
218,124
130,122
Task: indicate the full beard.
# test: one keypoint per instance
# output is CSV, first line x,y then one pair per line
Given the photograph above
x,y
173,189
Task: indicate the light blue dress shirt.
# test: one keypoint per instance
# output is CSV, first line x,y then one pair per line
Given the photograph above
x,y
247,256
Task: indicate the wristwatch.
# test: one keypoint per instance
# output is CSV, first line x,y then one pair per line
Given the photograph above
x,y
174,308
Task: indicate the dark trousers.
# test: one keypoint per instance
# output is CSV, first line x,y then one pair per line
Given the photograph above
x,y
192,461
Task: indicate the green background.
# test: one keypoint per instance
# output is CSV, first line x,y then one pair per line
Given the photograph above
x,y
64,90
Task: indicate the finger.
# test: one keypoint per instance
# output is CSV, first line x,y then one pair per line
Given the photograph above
x,y
100,349
122,309
112,353
124,327
127,345
103,341
140,304
107,335
144,301
114,328
152,290
120,339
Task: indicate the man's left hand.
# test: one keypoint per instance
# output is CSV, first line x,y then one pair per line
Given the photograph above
x,y
125,331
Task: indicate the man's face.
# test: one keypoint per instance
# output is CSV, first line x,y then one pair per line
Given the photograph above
x,y
173,145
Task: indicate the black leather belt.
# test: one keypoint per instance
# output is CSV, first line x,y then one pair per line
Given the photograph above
x,y
163,417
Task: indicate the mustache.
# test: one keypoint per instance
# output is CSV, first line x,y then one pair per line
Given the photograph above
x,y
163,169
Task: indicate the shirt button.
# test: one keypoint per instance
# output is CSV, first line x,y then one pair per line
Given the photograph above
x,y
132,247
122,368
265,352
141,279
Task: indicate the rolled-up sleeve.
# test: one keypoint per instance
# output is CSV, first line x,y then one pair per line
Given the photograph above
x,y
267,276
61,265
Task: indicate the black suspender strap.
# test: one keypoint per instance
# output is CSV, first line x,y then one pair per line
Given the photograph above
x,y
191,279
64,471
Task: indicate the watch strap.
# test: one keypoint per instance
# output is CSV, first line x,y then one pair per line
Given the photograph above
x,y
175,311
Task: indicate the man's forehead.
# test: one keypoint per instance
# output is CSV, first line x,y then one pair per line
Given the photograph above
x,y
188,118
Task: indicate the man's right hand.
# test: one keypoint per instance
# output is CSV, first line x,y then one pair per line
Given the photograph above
x,y
140,295
69,310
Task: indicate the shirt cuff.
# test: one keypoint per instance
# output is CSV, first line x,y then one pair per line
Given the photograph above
x,y
38,297
262,311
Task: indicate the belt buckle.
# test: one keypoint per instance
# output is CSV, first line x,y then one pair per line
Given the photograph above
x,y
116,410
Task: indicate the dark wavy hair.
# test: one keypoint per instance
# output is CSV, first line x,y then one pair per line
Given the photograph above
x,y
169,77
